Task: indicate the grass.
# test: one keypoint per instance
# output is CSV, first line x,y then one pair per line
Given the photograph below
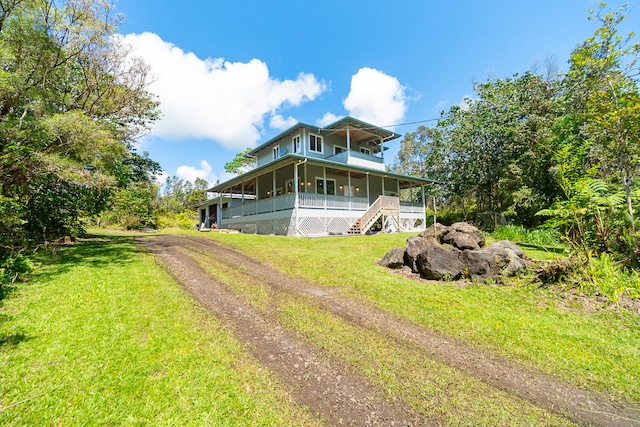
x,y
102,335
432,389
595,349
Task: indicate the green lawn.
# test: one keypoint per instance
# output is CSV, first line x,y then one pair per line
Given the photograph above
x,y
101,335
595,349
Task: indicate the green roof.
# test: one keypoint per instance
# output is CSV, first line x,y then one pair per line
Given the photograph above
x,y
359,125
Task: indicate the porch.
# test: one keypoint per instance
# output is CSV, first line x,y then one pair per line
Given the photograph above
x,y
305,197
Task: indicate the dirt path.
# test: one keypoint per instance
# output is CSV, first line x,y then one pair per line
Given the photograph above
x,y
330,389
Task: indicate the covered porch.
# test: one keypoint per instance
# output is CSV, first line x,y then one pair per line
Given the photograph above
x,y
298,196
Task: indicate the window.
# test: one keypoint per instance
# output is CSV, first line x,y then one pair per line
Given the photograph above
x,y
331,186
315,143
337,149
364,150
296,144
276,152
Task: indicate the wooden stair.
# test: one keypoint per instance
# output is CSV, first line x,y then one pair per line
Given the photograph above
x,y
384,205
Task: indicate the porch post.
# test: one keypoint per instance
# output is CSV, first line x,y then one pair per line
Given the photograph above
x,y
424,208
348,145
306,176
304,143
398,182
324,185
349,187
382,150
219,210
383,179
295,195
273,191
242,202
368,197
255,205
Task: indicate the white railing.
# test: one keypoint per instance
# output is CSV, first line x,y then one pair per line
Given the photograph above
x,y
328,201
287,201
409,207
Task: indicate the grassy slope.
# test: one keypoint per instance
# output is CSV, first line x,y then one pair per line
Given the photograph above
x,y
103,336
599,350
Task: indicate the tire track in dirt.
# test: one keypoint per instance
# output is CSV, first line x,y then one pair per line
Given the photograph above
x,y
581,406
331,390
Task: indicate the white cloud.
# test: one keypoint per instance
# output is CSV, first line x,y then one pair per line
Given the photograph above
x,y
327,119
466,102
190,173
214,98
160,177
279,122
376,97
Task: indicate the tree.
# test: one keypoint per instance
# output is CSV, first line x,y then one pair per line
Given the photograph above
x,y
241,163
598,136
72,103
492,153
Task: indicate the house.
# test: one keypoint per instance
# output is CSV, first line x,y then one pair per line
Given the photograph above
x,y
313,181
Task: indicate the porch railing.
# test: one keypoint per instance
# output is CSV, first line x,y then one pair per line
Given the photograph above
x,y
313,201
409,207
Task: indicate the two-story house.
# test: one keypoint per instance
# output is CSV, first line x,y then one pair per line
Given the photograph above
x,y
311,181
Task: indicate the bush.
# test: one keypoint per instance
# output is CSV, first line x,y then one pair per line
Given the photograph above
x,y
521,234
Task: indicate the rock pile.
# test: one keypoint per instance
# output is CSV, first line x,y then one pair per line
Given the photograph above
x,y
457,251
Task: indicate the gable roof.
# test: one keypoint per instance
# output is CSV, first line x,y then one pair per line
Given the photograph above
x,y
359,132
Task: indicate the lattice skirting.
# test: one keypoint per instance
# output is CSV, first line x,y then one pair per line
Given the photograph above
x,y
412,224
314,226
310,226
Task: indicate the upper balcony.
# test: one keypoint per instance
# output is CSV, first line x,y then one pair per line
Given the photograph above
x,y
356,158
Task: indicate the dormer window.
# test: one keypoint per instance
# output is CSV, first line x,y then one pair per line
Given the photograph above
x,y
296,144
315,143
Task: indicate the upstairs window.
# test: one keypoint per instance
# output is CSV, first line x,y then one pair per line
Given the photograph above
x,y
364,150
296,144
315,143
276,152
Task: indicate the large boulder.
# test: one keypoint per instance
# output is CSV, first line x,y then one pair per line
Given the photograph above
x,y
450,252
438,262
414,247
463,227
393,259
460,240
507,256
435,231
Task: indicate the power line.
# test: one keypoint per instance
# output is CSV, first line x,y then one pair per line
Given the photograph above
x,y
388,126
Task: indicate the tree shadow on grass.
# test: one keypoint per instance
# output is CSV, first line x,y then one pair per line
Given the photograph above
x,y
92,251
13,339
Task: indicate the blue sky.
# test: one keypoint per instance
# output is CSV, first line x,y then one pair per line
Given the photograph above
x,y
231,74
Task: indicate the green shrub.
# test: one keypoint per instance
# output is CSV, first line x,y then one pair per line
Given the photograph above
x,y
519,233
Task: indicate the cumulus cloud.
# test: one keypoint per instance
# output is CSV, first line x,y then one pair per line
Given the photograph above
x,y
160,177
279,122
190,173
376,97
327,119
213,98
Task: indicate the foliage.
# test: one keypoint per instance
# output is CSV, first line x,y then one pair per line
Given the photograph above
x,y
562,147
241,163
521,234
72,103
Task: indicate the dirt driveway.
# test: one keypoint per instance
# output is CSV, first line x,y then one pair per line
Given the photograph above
x,y
335,392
